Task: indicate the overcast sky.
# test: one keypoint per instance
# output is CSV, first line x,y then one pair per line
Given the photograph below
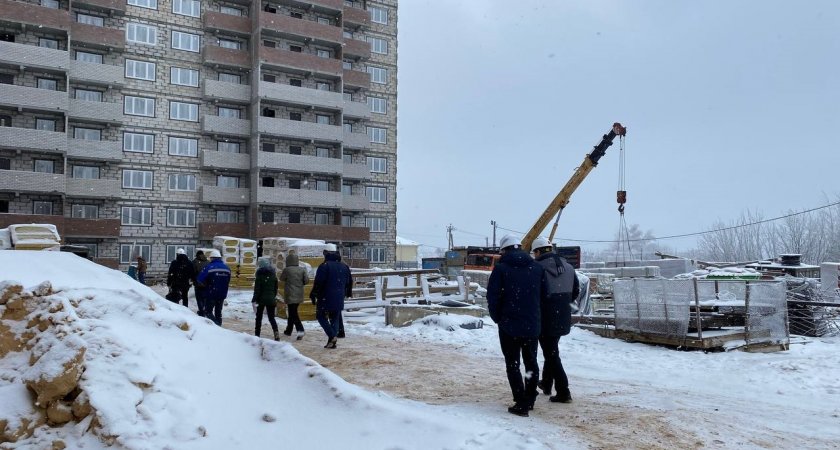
x,y
729,106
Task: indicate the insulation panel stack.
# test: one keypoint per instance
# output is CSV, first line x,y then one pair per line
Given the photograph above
x,y
34,236
241,256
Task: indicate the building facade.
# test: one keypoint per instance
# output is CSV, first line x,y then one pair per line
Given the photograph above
x,y
142,126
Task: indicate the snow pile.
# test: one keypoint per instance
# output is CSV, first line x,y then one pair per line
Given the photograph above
x,y
118,364
725,272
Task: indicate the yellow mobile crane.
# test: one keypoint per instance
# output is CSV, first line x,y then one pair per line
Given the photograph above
x,y
562,198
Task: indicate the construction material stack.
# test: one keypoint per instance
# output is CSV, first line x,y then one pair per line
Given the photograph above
x,y
30,237
240,255
310,254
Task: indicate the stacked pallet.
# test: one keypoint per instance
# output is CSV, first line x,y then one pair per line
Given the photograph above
x,y
241,256
31,237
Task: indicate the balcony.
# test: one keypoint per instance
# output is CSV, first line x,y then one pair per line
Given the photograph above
x,y
356,203
225,196
226,57
38,17
226,125
32,182
116,7
286,59
82,149
211,159
7,219
355,234
33,98
222,90
33,140
91,228
99,112
208,230
296,129
33,57
309,231
98,37
290,27
299,197
286,93
100,74
216,21
356,140
93,188
357,48
299,163
332,5
355,78
356,172
358,110
356,17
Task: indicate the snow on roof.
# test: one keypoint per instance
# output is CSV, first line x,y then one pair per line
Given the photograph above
x,y
404,241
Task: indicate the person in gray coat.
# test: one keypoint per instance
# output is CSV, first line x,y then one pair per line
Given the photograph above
x,y
292,281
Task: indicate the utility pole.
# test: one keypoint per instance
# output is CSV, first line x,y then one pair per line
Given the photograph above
x,y
449,229
493,222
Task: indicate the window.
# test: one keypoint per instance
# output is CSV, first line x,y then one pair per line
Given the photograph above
x,y
190,8
5,164
376,194
45,124
268,112
322,185
347,158
52,4
172,250
136,215
324,21
323,53
141,34
230,11
90,20
43,166
230,78
88,134
140,70
89,57
139,106
347,65
7,78
182,182
375,254
321,86
138,142
267,216
295,116
268,147
378,75
378,15
48,43
294,217
348,127
129,253
227,216
267,182
322,219
151,4
295,48
86,172
323,119
136,179
183,77
176,217
233,113
88,95
45,208
229,43
185,41
377,165
7,37
84,211
296,15
378,45
269,44
346,221
229,147
269,78
377,135
295,150
376,224
346,34
294,184
377,105
322,152
296,82
227,181
47,83
183,146
183,111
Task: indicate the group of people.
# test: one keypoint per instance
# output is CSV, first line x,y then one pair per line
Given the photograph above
x,y
531,301
210,278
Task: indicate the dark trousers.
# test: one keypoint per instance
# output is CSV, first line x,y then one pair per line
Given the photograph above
x,y
329,321
213,310
199,299
525,392
141,277
553,372
294,318
270,311
182,292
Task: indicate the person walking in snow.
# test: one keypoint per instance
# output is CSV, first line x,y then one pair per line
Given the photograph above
x,y
199,263
293,279
179,277
265,296
513,298
215,279
561,289
333,283
141,269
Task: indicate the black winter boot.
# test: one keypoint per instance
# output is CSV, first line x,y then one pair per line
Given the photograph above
x,y
519,409
561,397
276,335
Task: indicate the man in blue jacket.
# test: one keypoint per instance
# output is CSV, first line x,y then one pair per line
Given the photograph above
x,y
513,297
333,282
215,279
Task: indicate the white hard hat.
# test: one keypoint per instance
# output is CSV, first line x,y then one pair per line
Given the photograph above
x,y
215,254
540,242
509,240
331,248
180,251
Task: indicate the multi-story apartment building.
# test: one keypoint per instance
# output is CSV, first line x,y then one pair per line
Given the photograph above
x,y
148,125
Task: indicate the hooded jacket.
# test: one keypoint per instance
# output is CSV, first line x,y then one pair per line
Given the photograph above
x,y
215,278
562,288
293,279
199,263
514,291
180,272
333,283
265,286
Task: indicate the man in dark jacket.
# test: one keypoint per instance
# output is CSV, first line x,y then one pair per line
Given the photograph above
x,y
265,296
333,283
198,265
513,297
215,279
180,275
561,289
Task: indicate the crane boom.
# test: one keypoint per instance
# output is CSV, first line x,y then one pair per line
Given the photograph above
x,y
562,198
